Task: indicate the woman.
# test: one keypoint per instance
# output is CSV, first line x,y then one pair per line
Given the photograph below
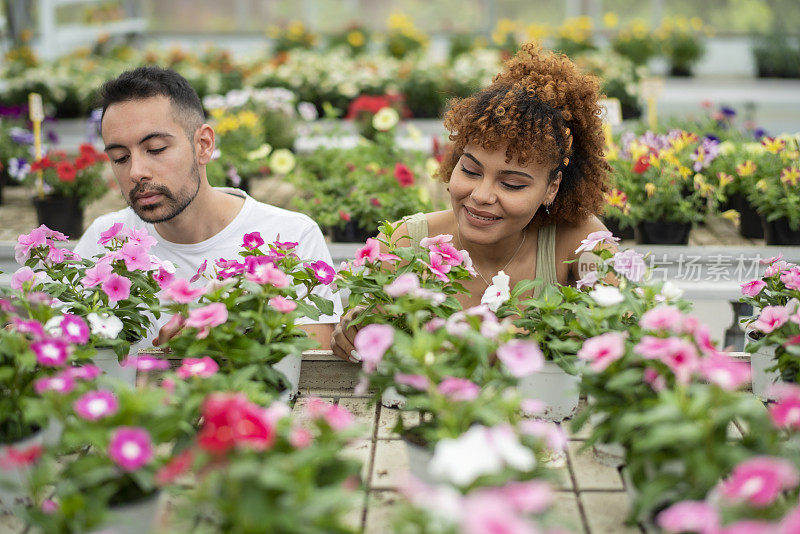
x,y
526,176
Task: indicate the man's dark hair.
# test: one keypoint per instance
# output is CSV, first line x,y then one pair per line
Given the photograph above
x,y
147,82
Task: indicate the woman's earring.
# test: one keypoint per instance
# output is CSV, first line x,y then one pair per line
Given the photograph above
x,y
547,208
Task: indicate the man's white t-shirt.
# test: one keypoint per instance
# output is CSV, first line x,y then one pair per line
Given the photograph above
x,y
271,222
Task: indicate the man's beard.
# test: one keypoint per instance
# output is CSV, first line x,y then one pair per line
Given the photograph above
x,y
174,203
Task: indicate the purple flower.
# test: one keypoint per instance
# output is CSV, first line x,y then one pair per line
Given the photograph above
x,y
21,136
95,405
51,352
728,112
323,272
130,447
252,241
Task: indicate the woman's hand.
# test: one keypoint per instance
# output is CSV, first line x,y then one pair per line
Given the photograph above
x,y
344,335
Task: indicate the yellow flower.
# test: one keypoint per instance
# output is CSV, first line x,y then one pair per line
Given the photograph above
x,y
414,133
790,176
685,172
431,167
282,161
399,21
696,23
617,198
296,28
724,179
612,154
650,188
773,145
790,155
726,148
639,28
755,148
637,150
746,169
610,20
762,184
702,186
259,153
654,161
227,123
424,194
355,38
372,167
537,32
248,119
385,119
731,215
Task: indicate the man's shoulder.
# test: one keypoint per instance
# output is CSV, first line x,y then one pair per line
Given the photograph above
x,y
273,216
126,216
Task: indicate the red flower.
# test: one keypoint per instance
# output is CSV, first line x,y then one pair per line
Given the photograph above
x,y
42,164
88,150
344,215
351,167
366,103
83,161
375,202
66,171
642,164
21,457
403,175
176,467
230,420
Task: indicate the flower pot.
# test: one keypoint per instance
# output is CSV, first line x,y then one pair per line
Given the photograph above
x,y
614,227
392,399
663,233
680,71
352,232
131,518
749,220
290,367
14,479
778,232
557,389
418,459
106,359
762,379
63,214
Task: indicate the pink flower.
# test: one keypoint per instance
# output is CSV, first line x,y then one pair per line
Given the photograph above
x,y
323,272
130,447
432,242
438,266
791,278
19,457
176,467
96,275
135,256
689,516
776,268
531,497
20,276
202,367
116,287
402,285
28,242
96,405
678,354
654,379
449,253
60,384
181,292
140,236
23,326
759,481
282,304
300,437
266,273
252,241
200,270
49,506
487,512
773,259
112,232
74,329
58,255
665,318
51,352
372,342
419,382
724,371
588,280
790,524
338,417
163,277
596,238
459,389
753,287
206,318
630,264
771,317
554,436
603,350
146,362
368,253
785,412
85,372
521,357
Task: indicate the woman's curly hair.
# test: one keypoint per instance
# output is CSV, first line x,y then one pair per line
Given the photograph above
x,y
547,112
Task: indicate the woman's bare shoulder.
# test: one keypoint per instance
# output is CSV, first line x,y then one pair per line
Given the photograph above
x,y
569,236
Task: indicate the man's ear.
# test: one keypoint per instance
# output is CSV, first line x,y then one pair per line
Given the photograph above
x,y
204,143
552,188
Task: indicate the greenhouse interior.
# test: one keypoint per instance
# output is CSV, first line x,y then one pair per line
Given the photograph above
x,y
397,266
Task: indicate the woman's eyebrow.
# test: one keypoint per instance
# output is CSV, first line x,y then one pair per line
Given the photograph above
x,y
473,158
506,171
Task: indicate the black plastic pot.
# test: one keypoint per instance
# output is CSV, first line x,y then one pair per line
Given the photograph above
x,y
614,227
663,233
778,232
64,214
680,71
352,232
749,220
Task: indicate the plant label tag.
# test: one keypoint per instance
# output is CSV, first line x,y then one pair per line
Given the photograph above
x,y
651,87
35,108
611,111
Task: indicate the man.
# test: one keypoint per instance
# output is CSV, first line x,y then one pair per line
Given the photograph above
x,y
159,145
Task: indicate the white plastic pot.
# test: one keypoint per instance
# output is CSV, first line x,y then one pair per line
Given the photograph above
x,y
418,459
557,389
108,362
139,517
390,398
290,367
14,480
762,379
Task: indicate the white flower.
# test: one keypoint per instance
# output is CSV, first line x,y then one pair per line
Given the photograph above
x,y
307,111
510,450
214,102
606,295
260,153
282,161
104,325
53,325
385,119
497,293
670,291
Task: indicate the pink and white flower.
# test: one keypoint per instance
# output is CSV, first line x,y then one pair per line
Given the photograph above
x,y
207,317
371,343
96,405
759,481
300,437
266,273
338,418
521,357
690,516
104,325
84,372
785,412
596,238
419,382
588,280
724,371
130,448
791,278
489,512
252,241
180,291
200,367
402,285
753,287
116,287
630,264
146,362
459,389
771,317
437,266
51,352
368,253
60,384
323,272
603,350
664,318
777,268
769,261
74,329
497,293
432,242
282,304
28,242
20,276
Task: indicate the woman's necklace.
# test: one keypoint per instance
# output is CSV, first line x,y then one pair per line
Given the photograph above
x,y
461,245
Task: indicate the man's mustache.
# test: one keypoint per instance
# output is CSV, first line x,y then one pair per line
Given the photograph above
x,y
140,190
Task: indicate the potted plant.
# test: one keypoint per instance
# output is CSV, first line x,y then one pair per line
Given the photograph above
x,y
636,42
258,469
115,293
355,38
403,38
15,142
681,43
773,331
574,36
349,192
376,113
69,185
246,318
292,36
